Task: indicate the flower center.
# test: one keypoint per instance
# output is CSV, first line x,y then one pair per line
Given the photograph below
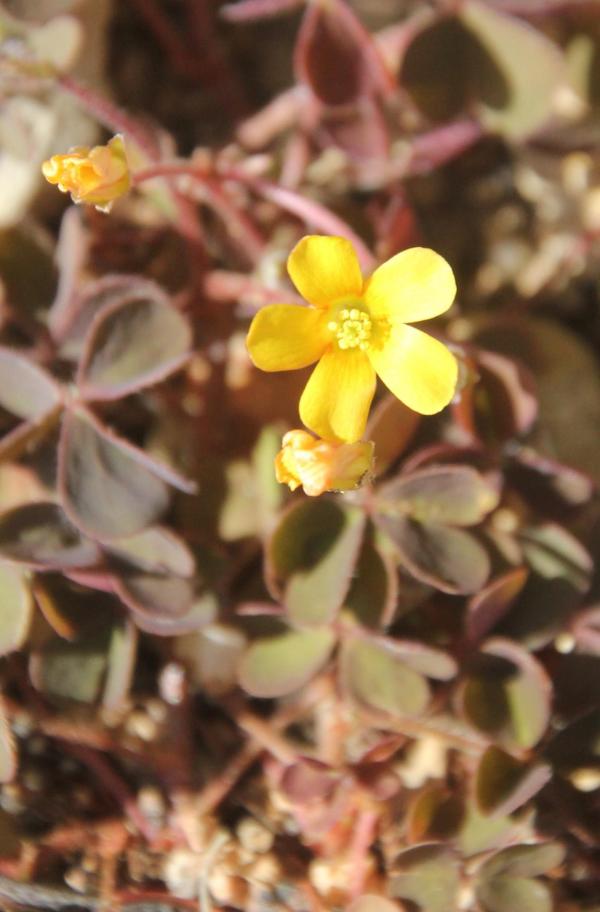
x,y
352,328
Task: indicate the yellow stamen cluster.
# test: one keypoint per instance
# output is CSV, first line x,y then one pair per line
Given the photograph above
x,y
353,330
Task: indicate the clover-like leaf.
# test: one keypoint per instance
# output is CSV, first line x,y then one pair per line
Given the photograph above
x,y
26,390
489,606
507,883
448,559
16,608
133,342
377,677
447,495
278,665
253,493
504,784
155,550
507,694
105,487
373,592
311,557
40,536
428,876
554,553
435,814
336,56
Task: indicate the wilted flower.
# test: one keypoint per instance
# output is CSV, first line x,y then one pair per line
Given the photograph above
x,y
356,329
96,176
321,465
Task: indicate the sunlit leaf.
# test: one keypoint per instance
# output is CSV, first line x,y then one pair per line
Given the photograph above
x,y
448,495
279,665
26,390
311,557
16,606
379,680
427,875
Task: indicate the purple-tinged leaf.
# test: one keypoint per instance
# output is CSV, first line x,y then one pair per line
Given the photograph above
x,y
380,681
16,608
500,403
311,557
26,390
556,554
451,560
278,665
155,550
308,780
524,860
105,487
549,483
447,495
71,254
336,57
503,784
201,613
155,595
489,606
40,536
25,436
586,630
133,342
245,10
391,427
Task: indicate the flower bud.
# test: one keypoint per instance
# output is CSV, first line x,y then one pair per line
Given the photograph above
x,y
321,465
96,176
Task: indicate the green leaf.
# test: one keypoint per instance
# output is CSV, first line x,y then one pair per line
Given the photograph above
x,y
311,557
16,608
442,495
133,342
253,493
489,606
554,553
435,814
373,591
26,390
279,665
503,784
448,559
212,655
428,876
527,101
514,894
379,680
508,694
121,657
40,536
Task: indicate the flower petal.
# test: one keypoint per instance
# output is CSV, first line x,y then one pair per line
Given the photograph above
x,y
335,402
325,269
416,284
417,368
287,336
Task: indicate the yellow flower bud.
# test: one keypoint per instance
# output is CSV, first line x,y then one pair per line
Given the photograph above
x,y
96,176
321,465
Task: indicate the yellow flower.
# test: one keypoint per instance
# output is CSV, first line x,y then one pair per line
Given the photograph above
x,y
320,465
356,329
96,176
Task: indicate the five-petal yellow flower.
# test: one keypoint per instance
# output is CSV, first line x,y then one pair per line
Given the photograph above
x,y
357,328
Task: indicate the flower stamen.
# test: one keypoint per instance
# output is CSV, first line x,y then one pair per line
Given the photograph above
x,y
352,329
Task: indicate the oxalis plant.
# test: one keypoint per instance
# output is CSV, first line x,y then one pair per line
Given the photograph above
x,y
297,541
